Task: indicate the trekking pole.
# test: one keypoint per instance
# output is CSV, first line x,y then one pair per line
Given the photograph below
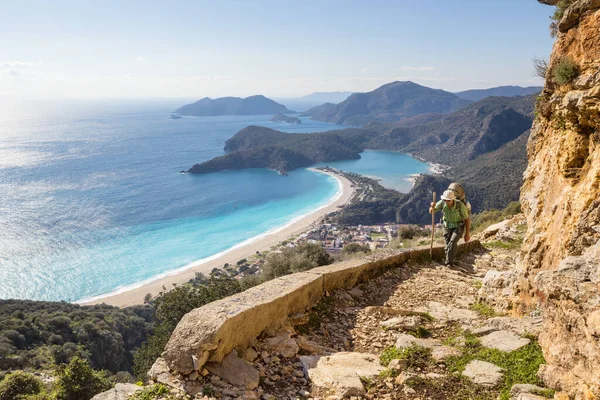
x,y
432,227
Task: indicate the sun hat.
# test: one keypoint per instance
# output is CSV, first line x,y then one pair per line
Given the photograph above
x,y
448,195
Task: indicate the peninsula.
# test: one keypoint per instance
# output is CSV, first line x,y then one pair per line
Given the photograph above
x,y
285,118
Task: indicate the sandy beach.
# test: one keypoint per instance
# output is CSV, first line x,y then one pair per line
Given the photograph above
x,y
136,295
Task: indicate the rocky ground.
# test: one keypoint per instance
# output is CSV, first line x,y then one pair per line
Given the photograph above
x,y
423,331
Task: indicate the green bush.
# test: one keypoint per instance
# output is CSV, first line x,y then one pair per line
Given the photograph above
x,y
303,257
19,384
565,70
78,381
353,248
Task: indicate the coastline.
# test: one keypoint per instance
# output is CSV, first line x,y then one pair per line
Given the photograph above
x,y
134,294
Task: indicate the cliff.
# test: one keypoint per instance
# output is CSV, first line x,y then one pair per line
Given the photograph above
x,y
560,266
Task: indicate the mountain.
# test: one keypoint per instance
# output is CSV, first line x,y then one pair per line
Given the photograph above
x,y
507,91
260,147
465,134
391,102
325,97
253,105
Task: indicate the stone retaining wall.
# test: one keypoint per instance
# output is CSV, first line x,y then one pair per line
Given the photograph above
x,y
210,332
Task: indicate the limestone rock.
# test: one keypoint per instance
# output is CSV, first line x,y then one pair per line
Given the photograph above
x,y
121,391
483,373
446,313
492,230
410,323
309,346
438,350
235,371
519,326
525,392
282,344
339,374
160,373
504,341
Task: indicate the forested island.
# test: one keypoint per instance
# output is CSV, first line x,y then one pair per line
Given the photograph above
x,y
286,118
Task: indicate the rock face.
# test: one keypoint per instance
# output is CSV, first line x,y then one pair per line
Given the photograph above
x,y
560,200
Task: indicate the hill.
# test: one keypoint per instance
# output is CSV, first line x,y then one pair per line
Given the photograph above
x,y
465,134
390,102
506,91
253,105
260,147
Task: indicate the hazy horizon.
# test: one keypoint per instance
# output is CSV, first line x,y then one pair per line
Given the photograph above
x,y
136,50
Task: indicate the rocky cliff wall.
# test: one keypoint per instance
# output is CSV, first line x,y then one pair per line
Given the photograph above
x,y
560,197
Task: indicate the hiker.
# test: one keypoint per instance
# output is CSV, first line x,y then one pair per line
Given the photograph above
x,y
456,222
460,194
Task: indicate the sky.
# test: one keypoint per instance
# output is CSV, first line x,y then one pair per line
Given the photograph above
x,y
283,48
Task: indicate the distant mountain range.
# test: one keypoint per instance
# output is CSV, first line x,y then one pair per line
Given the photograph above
x,y
507,91
391,102
312,100
483,143
253,105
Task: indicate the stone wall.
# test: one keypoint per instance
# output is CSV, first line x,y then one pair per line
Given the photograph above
x,y
559,268
210,332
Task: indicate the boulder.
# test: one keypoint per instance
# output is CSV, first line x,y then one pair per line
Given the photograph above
x,y
282,344
309,346
410,323
236,371
483,373
339,374
504,341
121,391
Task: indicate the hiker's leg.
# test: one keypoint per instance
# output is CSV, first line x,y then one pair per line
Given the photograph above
x,y
448,240
454,238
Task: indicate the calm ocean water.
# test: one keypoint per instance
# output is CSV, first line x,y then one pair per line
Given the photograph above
x,y
91,199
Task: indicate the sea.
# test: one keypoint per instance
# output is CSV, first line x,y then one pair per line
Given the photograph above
x,y
92,200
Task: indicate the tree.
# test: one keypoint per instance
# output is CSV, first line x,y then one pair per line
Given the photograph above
x,y
78,381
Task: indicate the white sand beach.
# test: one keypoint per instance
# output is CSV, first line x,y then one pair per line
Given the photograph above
x,y
135,295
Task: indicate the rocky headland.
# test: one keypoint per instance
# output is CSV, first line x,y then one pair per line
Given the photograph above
x,y
286,118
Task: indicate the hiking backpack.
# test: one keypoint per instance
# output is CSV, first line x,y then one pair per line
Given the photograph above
x,y
460,194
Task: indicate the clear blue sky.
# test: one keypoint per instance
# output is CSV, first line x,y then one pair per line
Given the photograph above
x,y
279,48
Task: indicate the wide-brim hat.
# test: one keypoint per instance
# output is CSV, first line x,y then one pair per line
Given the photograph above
x,y
448,195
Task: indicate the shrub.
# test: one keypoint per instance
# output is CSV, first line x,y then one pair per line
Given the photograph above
x,y
18,384
78,381
540,67
353,248
411,231
565,70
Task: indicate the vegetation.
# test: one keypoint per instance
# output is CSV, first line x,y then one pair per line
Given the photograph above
x,y
156,392
78,381
484,309
559,12
520,366
417,356
565,70
540,67
19,384
481,221
38,334
303,257
354,248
